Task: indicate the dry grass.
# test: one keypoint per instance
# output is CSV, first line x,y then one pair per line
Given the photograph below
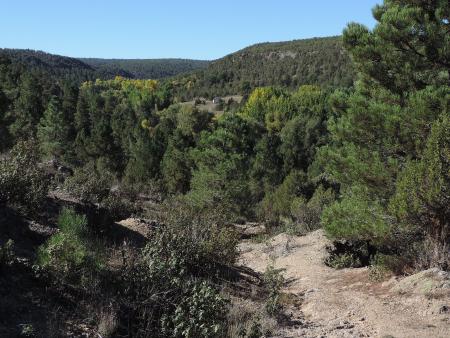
x,y
107,322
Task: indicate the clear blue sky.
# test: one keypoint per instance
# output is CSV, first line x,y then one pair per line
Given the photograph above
x,y
199,29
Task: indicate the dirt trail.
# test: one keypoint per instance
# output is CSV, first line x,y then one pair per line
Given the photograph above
x,y
345,303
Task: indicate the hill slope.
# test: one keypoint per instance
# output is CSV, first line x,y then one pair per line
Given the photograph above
x,y
147,68
88,69
321,61
57,65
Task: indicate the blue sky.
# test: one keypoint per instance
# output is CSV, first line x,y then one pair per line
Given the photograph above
x,y
198,29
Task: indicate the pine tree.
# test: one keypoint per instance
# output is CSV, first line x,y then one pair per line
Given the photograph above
x,y
4,134
53,130
403,66
28,108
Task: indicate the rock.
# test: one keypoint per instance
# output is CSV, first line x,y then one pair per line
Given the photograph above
x,y
444,309
427,282
250,229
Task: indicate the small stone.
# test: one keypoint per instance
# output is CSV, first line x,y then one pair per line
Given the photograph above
x,y
444,309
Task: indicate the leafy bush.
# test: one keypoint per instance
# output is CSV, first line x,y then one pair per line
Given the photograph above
x,y
118,206
273,282
342,261
70,252
382,266
88,184
167,287
200,313
21,180
277,204
307,214
422,195
355,217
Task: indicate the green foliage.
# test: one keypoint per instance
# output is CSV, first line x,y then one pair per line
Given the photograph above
x,y
343,261
356,217
53,131
318,61
21,180
200,313
89,184
422,193
168,286
195,239
277,204
70,252
222,160
307,213
273,283
383,153
144,69
28,107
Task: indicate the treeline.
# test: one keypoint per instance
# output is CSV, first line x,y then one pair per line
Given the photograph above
x,y
318,61
146,68
84,69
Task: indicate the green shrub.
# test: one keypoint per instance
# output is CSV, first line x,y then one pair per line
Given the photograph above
x,y
70,252
277,204
273,282
342,261
118,206
382,266
201,312
422,195
88,184
22,182
206,230
355,217
307,214
167,287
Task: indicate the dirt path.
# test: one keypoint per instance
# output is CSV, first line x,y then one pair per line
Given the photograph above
x,y
345,303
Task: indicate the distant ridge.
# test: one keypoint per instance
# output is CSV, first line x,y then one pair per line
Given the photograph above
x,y
321,61
147,68
82,69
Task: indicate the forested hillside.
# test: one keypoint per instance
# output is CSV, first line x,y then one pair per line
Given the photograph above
x,y
146,68
52,65
318,61
83,69
355,142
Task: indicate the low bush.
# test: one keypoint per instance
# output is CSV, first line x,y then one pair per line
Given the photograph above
x,y
22,182
70,254
342,261
166,293
88,184
273,282
307,213
201,312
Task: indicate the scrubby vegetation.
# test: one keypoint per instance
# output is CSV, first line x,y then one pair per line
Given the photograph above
x,y
368,162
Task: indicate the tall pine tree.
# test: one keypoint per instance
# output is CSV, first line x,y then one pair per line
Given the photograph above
x,y
54,131
403,87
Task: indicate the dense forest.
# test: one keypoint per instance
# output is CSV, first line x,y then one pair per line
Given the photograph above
x,y
317,61
146,68
350,134
83,69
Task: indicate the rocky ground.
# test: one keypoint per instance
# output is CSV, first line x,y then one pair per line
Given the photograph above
x,y
346,303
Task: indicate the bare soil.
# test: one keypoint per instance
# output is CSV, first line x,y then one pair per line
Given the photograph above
x,y
346,303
